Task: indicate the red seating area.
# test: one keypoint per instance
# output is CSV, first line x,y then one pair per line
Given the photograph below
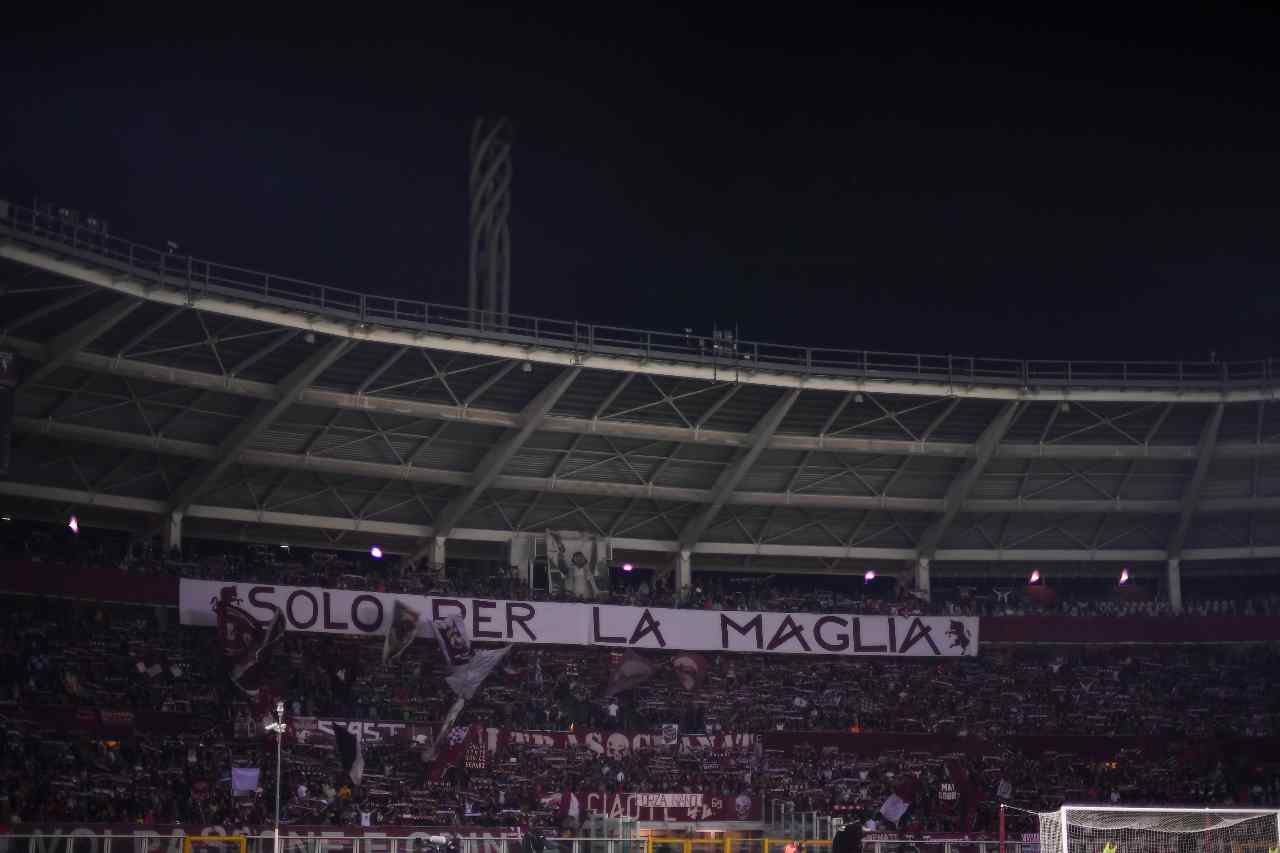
x,y
115,713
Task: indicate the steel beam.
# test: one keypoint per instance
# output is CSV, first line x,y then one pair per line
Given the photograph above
x,y
327,398
96,270
733,473
263,416
61,348
592,488
497,457
962,486
57,495
1191,495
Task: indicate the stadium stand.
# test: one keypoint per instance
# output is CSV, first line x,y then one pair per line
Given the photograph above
x,y
115,714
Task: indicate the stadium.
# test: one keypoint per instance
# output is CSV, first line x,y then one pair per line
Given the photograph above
x,y
682,560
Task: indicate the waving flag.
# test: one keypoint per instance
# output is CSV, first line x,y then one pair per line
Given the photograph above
x,y
631,670
468,667
246,643
690,669
466,679
401,631
349,753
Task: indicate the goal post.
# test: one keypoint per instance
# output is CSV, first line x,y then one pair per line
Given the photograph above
x,y
1152,829
214,844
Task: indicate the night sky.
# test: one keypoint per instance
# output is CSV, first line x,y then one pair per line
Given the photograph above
x,y
1060,187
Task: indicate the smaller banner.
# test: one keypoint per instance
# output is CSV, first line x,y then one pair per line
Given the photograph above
x,y
666,808
295,838
320,731
619,744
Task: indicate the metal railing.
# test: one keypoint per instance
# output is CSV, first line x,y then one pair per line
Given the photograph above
x,y
142,841
786,821
68,238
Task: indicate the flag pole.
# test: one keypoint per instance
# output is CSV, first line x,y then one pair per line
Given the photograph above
x,y
454,710
278,726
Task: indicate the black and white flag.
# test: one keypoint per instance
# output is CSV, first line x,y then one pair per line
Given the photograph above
x,y
401,631
468,667
349,753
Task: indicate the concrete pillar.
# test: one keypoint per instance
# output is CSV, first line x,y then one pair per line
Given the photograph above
x,y
1175,584
435,556
683,574
922,577
172,533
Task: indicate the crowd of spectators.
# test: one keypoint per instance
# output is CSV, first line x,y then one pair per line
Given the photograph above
x,y
59,654
889,593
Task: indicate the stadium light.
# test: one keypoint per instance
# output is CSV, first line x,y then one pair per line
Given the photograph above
x,y
626,567
1035,577
869,576
74,524
375,552
6,518
1124,576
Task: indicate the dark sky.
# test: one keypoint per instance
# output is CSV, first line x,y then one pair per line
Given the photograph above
x,y
1054,186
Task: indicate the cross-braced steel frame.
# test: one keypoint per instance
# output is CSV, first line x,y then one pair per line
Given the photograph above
x,y
151,392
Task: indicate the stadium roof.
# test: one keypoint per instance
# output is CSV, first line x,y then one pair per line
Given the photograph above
x,y
263,407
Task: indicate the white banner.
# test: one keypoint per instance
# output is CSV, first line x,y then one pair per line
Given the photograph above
x,y
341,611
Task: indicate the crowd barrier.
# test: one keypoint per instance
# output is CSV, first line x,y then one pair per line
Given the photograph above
x,y
337,842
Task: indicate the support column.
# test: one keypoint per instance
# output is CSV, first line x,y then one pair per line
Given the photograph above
x,y
436,554
922,577
683,563
1175,584
172,534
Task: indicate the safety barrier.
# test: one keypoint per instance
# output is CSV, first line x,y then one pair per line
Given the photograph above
x,y
144,842
62,233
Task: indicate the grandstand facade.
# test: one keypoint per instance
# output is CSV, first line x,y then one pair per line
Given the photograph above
x,y
156,390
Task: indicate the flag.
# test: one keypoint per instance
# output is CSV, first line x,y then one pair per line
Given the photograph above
x,y
690,669
468,667
245,642
400,632
894,808
467,678
965,793
631,671
455,645
451,743
566,804
349,753
244,780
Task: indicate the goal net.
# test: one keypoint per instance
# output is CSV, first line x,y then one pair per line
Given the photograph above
x,y
1106,829
213,844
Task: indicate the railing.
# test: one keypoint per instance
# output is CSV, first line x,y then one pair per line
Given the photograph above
x,y
144,842
64,235
784,820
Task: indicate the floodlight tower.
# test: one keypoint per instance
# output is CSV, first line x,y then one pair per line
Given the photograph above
x,y
489,272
